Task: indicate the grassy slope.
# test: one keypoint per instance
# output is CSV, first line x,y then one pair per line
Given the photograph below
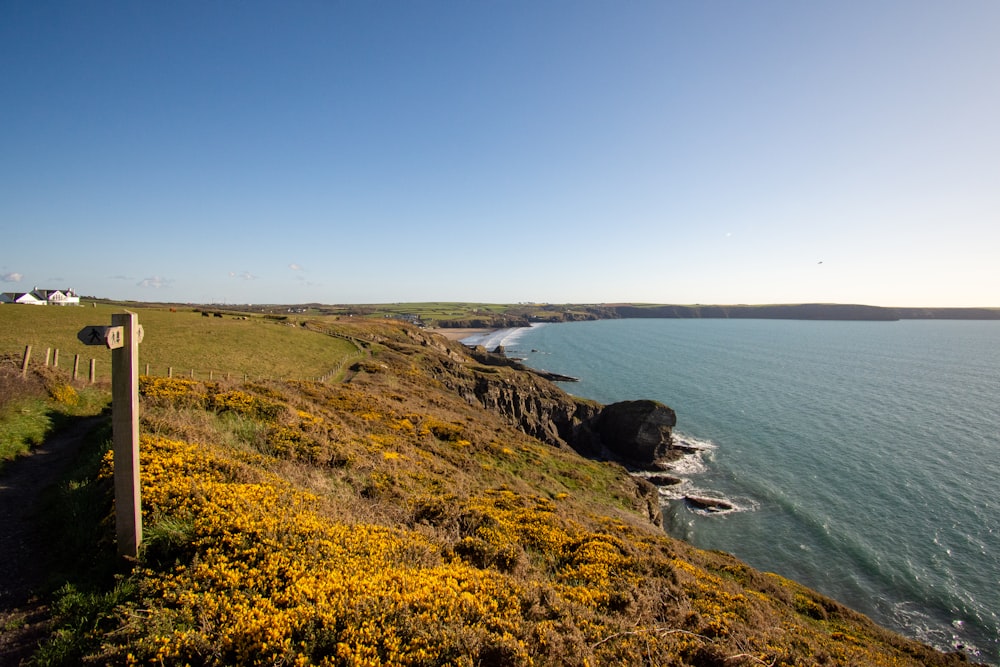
x,y
385,520
182,340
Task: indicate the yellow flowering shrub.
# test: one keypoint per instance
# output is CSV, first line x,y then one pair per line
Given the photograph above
x,y
177,391
245,403
63,393
447,431
271,581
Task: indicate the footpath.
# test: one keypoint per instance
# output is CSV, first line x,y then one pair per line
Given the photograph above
x,y
24,544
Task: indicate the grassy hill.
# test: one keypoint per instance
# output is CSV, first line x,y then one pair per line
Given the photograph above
x,y
384,517
182,339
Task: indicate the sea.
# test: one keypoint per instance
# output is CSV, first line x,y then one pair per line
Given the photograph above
x,y
861,459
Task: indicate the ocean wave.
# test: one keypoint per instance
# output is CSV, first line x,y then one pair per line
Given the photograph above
x,y
928,630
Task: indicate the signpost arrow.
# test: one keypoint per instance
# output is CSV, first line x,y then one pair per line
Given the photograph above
x,y
111,337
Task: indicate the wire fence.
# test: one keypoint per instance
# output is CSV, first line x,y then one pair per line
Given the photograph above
x,y
86,370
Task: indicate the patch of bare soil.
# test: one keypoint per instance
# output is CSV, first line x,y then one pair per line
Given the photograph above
x,y
25,545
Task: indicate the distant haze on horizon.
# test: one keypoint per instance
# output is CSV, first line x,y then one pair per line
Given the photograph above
x,y
556,152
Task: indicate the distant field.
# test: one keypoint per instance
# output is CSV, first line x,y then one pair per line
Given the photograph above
x,y
183,340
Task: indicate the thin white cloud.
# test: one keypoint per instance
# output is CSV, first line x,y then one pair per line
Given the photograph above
x,y
245,275
13,277
156,282
294,267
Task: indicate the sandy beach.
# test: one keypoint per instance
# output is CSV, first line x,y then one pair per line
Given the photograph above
x,y
459,334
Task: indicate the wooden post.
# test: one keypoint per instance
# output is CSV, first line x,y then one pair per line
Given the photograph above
x,y
55,358
211,375
147,369
48,356
76,366
125,434
170,371
93,371
24,362
192,373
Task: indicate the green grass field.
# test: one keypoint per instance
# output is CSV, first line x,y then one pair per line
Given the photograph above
x,y
182,340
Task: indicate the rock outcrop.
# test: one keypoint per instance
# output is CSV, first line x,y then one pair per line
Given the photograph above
x,y
639,432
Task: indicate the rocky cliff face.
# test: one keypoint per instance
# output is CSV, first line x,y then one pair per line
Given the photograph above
x,y
637,432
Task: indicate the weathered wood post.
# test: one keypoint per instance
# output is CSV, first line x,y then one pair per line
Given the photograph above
x,y
122,338
93,371
55,358
24,362
76,367
48,356
147,369
125,434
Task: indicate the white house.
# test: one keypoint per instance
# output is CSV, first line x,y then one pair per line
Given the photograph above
x,y
58,297
42,297
22,297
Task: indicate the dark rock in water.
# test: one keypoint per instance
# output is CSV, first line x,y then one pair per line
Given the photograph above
x,y
638,431
664,480
708,504
554,377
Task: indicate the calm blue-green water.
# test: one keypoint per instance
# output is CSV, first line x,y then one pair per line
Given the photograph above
x,y
864,457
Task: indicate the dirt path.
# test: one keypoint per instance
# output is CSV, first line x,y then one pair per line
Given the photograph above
x,y
23,544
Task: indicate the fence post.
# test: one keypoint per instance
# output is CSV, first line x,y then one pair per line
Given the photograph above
x,y
76,366
48,356
24,363
55,358
147,369
170,371
93,371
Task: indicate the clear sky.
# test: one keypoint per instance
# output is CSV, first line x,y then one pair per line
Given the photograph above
x,y
365,151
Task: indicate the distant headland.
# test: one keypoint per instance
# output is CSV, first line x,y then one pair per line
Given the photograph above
x,y
524,314
470,315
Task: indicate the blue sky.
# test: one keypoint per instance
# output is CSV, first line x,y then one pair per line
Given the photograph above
x,y
724,151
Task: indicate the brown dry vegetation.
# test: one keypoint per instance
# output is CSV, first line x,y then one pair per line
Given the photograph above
x,y
385,520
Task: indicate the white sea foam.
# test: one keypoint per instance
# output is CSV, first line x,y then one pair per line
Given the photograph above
x,y
493,339
693,462
689,465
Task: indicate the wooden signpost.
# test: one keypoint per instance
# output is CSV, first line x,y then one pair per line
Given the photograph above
x,y
123,338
